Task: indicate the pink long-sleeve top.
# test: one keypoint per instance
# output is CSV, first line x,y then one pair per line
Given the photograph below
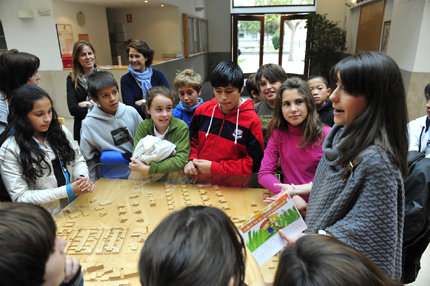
x,y
298,164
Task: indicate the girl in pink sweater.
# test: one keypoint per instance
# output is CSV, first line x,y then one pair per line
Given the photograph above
x,y
296,137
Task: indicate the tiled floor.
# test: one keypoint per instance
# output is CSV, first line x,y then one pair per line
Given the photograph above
x,y
423,278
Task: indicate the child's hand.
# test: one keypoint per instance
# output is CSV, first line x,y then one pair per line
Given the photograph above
x,y
85,185
204,166
71,268
138,166
82,185
190,169
289,239
286,188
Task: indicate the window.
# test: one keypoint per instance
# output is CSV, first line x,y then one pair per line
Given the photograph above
x,y
266,3
195,35
270,38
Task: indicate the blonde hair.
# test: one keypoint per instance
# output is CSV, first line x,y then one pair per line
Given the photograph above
x,y
188,77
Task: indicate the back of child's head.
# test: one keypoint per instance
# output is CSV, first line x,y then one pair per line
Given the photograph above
x,y
158,90
15,69
317,260
188,77
272,72
144,49
27,238
227,74
323,79
191,247
99,80
427,91
251,85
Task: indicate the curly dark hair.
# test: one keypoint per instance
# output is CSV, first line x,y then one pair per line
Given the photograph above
x,y
31,157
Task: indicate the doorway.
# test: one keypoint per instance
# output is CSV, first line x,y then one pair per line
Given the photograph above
x,y
270,38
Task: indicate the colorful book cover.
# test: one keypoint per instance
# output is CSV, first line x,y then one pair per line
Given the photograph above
x,y
260,232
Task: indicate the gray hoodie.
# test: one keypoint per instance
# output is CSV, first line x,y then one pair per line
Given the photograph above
x,y
103,131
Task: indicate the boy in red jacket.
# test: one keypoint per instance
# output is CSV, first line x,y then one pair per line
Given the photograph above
x,y
226,134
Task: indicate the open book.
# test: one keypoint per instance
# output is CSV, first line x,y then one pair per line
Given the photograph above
x,y
260,232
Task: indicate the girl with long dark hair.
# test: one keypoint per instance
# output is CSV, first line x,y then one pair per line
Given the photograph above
x,y
40,163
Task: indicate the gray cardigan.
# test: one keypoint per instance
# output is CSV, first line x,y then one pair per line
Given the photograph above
x,y
364,210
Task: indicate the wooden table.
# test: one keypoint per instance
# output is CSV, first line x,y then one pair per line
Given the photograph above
x,y
106,229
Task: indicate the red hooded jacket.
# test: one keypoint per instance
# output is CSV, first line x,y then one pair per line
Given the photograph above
x,y
233,141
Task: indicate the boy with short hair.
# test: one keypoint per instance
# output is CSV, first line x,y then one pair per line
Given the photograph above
x,y
253,89
226,134
31,253
189,86
110,125
320,92
419,129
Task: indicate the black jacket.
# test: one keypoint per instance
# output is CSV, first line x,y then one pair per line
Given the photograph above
x,y
326,114
416,233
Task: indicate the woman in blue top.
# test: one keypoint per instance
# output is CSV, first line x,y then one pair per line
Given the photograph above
x,y
140,76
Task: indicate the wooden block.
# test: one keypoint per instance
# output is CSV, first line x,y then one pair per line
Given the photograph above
x,y
104,203
95,267
69,224
202,192
85,212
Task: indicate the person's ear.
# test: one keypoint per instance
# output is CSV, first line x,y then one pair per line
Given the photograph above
x,y
240,91
147,109
328,91
200,92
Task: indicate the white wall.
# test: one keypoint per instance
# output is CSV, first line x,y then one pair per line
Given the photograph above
x,y
219,22
37,35
335,10
95,26
405,32
422,59
158,27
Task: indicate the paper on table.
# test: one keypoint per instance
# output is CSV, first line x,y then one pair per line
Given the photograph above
x,y
260,232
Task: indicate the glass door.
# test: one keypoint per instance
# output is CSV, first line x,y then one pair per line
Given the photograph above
x,y
272,38
293,49
248,35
